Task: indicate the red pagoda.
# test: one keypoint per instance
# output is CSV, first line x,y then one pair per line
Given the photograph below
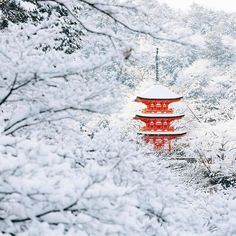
x,y
158,117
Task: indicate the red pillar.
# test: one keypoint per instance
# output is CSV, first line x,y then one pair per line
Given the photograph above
x,y
169,145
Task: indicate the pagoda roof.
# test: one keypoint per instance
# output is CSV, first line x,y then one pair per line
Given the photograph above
x,y
158,133
159,115
159,92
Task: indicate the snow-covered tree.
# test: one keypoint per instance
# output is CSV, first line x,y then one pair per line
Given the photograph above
x,y
70,164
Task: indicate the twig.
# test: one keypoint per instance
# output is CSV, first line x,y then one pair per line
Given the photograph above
x,y
193,113
10,91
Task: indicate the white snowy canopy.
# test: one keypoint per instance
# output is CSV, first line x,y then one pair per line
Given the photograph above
x,y
159,92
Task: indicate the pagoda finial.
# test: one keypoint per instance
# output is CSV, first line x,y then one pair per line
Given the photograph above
x,y
157,65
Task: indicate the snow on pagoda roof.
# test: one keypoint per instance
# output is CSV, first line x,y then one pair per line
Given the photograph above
x,y
159,115
162,133
159,92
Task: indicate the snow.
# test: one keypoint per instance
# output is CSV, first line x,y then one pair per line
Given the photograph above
x,y
159,92
159,115
28,6
82,173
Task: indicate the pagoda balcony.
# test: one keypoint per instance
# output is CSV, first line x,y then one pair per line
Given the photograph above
x,y
157,110
158,128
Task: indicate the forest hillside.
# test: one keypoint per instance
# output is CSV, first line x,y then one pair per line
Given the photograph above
x,y
71,162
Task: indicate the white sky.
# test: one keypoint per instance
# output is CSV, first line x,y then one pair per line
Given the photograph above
x,y
225,5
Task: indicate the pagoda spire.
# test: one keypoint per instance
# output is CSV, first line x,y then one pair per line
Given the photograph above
x,y
157,66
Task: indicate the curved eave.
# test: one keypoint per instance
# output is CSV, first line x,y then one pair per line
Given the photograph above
x,y
150,133
156,116
159,99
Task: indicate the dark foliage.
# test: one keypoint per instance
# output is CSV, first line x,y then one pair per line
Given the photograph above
x,y
69,40
12,12
224,181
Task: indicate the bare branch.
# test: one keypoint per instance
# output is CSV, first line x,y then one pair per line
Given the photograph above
x,y
23,84
68,208
116,20
128,7
96,7
93,31
10,91
9,130
15,87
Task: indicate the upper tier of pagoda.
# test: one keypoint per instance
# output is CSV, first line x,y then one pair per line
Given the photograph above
x,y
157,99
159,92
